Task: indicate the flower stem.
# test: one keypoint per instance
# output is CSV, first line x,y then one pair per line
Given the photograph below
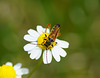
x,y
36,67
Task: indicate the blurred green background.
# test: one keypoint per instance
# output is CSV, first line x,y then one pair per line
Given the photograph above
x,y
80,26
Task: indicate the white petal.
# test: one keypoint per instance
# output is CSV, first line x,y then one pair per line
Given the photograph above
x,y
19,72
47,57
44,57
33,33
61,51
40,29
24,70
30,38
35,52
62,43
9,63
38,56
18,76
55,53
17,66
29,46
45,29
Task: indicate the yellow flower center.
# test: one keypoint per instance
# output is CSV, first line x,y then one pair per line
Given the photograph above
x,y
42,41
7,71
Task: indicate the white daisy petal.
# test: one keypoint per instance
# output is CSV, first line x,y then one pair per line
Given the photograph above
x,y
44,57
17,66
62,43
33,33
45,29
30,38
61,51
18,76
55,53
19,72
9,63
47,57
24,70
40,29
35,52
29,46
48,30
38,56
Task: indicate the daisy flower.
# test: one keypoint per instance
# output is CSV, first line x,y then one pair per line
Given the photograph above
x,y
10,71
43,39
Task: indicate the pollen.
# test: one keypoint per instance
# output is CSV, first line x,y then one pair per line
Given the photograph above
x,y
7,71
41,41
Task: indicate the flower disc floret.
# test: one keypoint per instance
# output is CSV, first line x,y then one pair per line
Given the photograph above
x,y
42,40
7,71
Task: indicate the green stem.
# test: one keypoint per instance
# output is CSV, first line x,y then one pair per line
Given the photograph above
x,y
36,67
